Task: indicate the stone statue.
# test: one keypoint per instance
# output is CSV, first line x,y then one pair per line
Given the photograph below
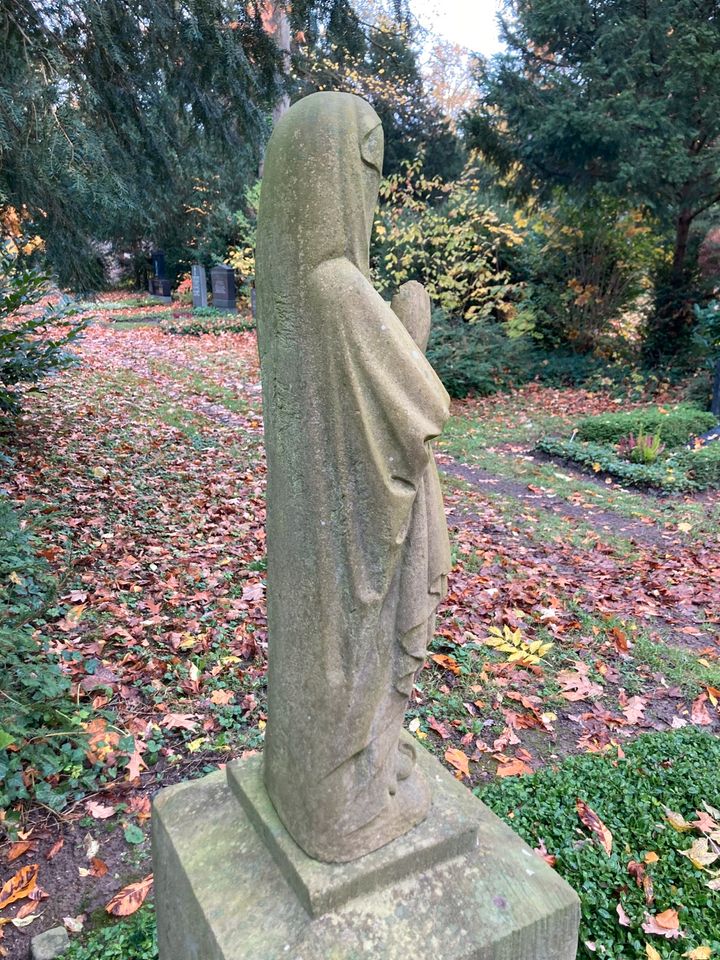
x,y
358,552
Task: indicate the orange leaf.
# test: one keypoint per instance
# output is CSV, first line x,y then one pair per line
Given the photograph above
x,y
56,848
19,885
459,760
19,848
448,663
665,924
130,898
516,768
593,822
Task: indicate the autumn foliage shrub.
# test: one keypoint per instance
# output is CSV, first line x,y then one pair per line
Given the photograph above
x,y
446,236
633,796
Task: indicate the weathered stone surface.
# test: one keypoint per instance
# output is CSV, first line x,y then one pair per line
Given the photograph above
x,y
448,831
220,894
49,945
355,571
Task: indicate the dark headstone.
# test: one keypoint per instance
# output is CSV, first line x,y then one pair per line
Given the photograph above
x,y
158,284
199,286
158,264
715,404
222,279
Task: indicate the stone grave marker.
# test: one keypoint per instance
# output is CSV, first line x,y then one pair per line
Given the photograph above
x,y
199,285
222,279
346,839
159,285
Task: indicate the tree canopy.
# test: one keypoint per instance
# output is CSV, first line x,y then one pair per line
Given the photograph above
x,y
623,93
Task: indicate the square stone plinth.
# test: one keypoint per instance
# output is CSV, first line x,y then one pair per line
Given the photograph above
x,y
448,831
230,884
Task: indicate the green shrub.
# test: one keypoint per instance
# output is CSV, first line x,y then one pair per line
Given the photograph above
x,y
604,459
582,266
207,320
674,770
479,358
675,426
40,726
471,357
684,471
31,347
132,939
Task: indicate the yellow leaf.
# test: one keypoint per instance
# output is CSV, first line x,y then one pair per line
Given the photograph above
x,y
651,857
651,952
596,467
677,821
195,745
685,528
699,953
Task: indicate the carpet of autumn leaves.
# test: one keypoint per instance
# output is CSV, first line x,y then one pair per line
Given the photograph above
x,y
143,467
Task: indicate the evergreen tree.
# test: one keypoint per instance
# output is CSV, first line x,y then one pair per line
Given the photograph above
x,y
624,93
369,48
133,121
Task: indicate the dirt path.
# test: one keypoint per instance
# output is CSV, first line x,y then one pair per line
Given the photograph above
x,y
605,521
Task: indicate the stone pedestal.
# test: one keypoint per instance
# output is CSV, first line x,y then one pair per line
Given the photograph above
x,y
230,883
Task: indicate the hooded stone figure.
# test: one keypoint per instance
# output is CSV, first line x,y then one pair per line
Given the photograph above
x,y
357,543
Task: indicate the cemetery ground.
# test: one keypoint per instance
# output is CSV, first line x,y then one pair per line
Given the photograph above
x,y
574,680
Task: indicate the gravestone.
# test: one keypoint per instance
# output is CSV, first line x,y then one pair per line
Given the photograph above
x,y
222,279
199,285
159,285
715,401
346,839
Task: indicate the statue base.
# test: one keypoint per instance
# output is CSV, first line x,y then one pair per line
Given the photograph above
x,y
231,884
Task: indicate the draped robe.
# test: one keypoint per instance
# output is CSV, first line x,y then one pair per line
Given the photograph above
x,y
350,404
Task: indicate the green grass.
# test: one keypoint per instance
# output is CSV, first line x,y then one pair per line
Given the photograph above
x,y
472,443
675,770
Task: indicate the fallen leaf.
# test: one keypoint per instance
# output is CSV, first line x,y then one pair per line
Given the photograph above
x,y
20,885
456,758
221,698
179,721
593,822
699,953
651,857
438,727
623,918
130,898
446,662
55,849
665,924
700,714
700,854
515,768
576,685
74,924
20,848
541,851
651,952
677,821
98,810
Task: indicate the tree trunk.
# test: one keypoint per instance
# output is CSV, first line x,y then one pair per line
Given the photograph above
x,y
682,234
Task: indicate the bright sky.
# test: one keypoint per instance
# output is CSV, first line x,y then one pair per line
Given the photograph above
x,y
470,23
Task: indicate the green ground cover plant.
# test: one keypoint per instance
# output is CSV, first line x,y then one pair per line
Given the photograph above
x,y
648,447
42,740
653,802
675,426
132,939
206,320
